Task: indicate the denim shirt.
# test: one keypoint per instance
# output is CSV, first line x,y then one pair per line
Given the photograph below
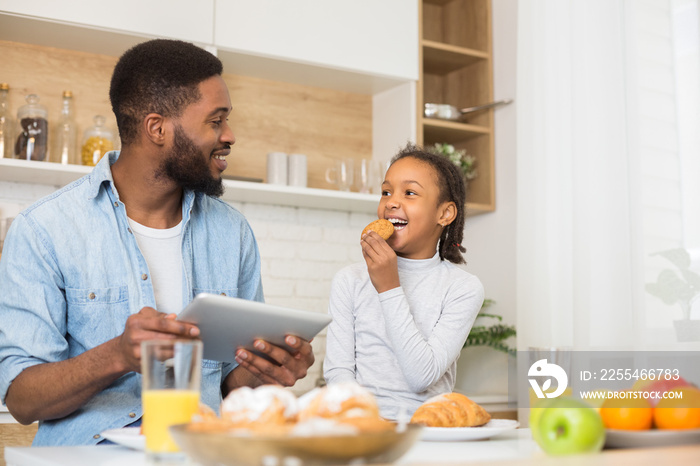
x,y
71,273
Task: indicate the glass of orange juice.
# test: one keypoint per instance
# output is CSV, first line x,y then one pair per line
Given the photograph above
x,y
172,373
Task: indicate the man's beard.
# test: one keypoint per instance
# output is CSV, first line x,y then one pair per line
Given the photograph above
x,y
185,167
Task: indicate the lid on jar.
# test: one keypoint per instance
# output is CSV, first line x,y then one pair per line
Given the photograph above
x,y
99,129
32,109
67,94
4,87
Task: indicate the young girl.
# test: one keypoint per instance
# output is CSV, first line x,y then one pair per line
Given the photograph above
x,y
401,318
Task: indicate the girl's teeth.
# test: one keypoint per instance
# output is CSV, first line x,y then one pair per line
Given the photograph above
x,y
398,224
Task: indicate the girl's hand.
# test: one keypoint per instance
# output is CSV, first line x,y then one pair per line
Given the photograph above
x,y
381,262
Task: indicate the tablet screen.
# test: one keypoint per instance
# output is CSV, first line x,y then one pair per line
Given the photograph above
x,y
227,324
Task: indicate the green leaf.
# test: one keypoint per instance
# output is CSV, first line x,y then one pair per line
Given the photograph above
x,y
692,278
670,288
492,336
493,316
487,302
678,257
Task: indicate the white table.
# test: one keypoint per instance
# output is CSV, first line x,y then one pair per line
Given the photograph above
x,y
517,444
511,448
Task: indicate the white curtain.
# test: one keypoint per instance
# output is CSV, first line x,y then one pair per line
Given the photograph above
x,y
602,168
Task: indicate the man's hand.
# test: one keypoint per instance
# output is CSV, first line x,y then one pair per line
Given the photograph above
x,y
290,365
381,262
54,390
149,324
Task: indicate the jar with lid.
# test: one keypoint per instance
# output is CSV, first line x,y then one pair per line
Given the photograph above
x,y
32,130
64,139
6,122
97,141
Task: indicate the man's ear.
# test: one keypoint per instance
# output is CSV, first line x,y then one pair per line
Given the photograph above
x,y
154,128
448,213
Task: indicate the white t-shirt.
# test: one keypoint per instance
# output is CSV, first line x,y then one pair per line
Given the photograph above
x,y
162,249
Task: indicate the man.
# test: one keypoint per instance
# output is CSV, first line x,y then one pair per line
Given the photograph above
x,y
84,269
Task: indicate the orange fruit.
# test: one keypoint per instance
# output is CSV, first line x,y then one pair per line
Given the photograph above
x,y
679,413
624,414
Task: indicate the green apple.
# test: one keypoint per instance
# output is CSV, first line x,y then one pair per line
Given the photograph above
x,y
535,414
566,425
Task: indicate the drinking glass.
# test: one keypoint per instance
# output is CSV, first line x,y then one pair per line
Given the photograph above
x,y
297,170
171,371
368,176
341,173
277,168
554,356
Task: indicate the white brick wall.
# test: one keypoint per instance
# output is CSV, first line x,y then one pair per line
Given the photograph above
x,y
301,251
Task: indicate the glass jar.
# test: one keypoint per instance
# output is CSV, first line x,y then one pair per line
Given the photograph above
x,y
32,130
6,123
64,140
97,141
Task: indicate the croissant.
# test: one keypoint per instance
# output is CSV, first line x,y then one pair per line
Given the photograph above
x,y
339,401
450,410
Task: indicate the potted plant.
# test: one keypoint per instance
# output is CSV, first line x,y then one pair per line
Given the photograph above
x,y
494,335
465,162
682,287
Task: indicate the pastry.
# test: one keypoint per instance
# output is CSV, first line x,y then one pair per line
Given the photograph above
x,y
450,410
267,405
206,420
345,403
338,401
382,227
271,410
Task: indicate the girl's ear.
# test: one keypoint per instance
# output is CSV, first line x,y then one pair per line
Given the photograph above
x,y
154,127
448,213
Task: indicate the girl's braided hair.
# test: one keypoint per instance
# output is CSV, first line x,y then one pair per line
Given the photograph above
x,y
452,188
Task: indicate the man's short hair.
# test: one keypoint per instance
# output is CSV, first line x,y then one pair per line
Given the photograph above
x,y
159,76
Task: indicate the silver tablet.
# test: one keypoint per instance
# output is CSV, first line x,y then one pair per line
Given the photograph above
x,y
227,324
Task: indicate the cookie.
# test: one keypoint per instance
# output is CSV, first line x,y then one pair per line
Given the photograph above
x,y
382,227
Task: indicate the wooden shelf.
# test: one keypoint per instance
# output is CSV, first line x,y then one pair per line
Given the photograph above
x,y
24,171
437,2
456,69
27,171
451,132
476,208
441,59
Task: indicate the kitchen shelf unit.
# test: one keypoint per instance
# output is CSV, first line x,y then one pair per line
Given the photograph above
x,y
54,174
455,68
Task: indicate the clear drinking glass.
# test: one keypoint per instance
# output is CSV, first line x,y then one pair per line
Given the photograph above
x,y
171,371
554,372
368,176
341,173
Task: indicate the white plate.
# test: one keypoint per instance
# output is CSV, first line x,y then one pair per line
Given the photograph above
x,y
127,436
650,438
452,434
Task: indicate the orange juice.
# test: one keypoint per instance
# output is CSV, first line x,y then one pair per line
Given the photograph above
x,y
162,409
